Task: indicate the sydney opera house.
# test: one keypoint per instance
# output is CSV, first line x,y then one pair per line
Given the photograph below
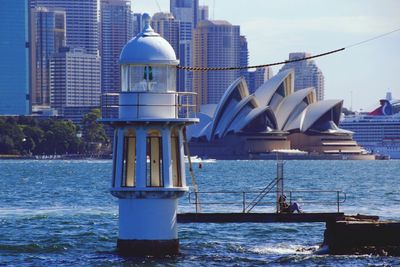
x,y
273,118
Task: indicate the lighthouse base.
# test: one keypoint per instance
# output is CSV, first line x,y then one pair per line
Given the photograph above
x,y
148,247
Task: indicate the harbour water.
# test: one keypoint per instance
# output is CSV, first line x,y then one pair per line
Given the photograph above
x,y
60,213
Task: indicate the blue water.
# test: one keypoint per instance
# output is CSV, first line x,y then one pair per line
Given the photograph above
x,y
60,213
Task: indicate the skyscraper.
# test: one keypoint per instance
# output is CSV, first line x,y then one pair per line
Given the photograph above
x,y
50,35
215,44
307,74
116,31
82,21
203,13
14,53
187,12
74,81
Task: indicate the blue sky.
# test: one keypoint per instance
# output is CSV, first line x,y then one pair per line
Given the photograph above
x,y
275,28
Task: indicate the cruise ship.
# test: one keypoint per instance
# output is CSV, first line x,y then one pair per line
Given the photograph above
x,y
377,131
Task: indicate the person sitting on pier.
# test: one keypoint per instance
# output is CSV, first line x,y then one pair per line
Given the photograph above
x,y
286,208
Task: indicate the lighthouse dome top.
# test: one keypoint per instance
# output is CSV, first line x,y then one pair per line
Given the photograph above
x,y
148,47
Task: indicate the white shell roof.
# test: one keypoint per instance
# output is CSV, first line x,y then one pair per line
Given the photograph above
x,y
312,113
241,87
289,104
248,101
266,91
239,125
148,47
237,109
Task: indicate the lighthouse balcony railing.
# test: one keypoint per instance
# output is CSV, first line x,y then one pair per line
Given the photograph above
x,y
183,104
238,201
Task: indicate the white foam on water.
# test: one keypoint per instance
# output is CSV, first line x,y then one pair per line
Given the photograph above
x,y
284,249
54,211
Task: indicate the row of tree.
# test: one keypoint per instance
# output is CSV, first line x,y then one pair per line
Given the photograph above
x,y
26,135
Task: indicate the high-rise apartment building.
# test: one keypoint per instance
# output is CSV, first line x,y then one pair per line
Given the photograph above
x,y
15,58
49,36
82,21
187,12
307,74
74,81
215,44
116,31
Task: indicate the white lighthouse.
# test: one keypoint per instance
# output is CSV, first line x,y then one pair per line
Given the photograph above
x,y
148,158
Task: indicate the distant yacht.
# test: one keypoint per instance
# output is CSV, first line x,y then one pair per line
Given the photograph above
x,y
377,131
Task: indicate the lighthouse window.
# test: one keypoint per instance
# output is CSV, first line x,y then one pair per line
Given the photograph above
x,y
129,163
175,161
141,78
154,165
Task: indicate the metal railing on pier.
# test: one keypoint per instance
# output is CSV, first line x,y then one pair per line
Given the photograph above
x,y
240,201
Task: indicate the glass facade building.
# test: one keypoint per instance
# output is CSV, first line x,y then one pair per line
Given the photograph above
x,y
82,21
187,13
215,44
116,31
50,36
15,57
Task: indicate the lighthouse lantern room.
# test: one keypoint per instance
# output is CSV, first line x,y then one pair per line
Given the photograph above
x,y
148,173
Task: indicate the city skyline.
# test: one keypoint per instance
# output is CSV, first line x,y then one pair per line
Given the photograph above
x,y
360,75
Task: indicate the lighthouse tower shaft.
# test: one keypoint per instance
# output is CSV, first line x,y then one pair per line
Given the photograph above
x,y
148,173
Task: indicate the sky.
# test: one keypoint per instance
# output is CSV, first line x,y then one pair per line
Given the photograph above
x,y
360,75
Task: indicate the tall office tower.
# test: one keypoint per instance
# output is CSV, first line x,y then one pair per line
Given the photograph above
x,y
116,31
186,11
74,81
15,58
137,23
50,35
244,57
82,21
258,77
203,13
307,74
215,44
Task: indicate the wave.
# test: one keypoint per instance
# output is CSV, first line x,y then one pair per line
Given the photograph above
x,y
44,212
284,249
33,248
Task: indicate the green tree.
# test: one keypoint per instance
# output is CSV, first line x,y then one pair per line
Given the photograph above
x,y
33,137
12,137
93,132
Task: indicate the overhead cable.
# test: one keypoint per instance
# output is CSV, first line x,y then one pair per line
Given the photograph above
x,y
286,61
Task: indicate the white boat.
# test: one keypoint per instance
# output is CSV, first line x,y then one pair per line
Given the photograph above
x,y
196,159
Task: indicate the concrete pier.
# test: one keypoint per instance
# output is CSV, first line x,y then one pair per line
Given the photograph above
x,y
362,236
259,217
344,235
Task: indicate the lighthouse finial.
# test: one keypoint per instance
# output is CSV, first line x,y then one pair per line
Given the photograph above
x,y
147,29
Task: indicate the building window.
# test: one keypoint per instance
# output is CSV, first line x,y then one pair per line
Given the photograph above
x,y
129,162
154,155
